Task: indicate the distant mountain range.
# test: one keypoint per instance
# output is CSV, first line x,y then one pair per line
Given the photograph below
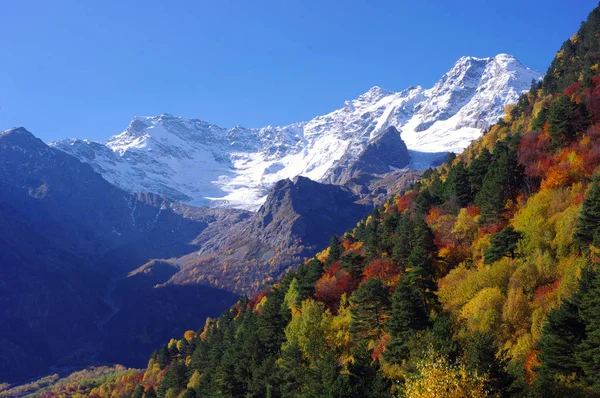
x,y
198,163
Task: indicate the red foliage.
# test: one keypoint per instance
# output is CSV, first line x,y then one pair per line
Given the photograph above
x,y
405,201
330,287
544,290
383,269
491,229
572,89
533,153
380,347
473,210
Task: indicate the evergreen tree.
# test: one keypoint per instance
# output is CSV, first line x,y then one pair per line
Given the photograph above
x,y
483,358
335,250
407,316
403,242
190,393
561,121
175,378
560,353
138,392
366,379
540,119
271,323
372,238
502,181
459,185
369,302
478,169
354,263
306,277
588,354
504,243
164,356
588,227
150,393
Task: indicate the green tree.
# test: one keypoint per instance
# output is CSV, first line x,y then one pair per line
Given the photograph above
x,y
370,303
306,277
335,250
164,356
150,393
561,117
175,378
588,227
138,392
408,315
504,243
483,357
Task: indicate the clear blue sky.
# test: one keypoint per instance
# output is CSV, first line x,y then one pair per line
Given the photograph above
x,y
84,68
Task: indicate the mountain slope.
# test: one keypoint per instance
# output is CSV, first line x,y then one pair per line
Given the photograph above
x,y
199,163
297,218
66,236
482,280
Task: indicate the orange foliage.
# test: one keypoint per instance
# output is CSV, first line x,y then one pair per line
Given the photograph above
x,y
434,214
257,298
531,363
189,335
352,246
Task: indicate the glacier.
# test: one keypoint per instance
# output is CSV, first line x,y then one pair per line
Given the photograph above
x,y
201,164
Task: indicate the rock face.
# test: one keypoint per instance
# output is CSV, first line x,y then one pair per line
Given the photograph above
x,y
387,152
196,162
298,218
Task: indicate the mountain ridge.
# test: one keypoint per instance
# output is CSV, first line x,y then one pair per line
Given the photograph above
x,y
199,163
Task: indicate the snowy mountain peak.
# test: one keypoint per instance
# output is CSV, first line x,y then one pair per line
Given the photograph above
x,y
199,163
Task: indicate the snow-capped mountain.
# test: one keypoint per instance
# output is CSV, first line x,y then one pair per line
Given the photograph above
x,y
196,162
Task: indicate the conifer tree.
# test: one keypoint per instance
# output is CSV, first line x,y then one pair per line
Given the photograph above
x,y
335,250
561,121
407,316
370,303
588,227
504,243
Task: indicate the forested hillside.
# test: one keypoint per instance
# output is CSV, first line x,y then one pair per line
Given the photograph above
x,y
481,280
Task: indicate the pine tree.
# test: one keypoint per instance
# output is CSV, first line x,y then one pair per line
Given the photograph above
x,y
504,243
483,358
306,276
588,227
588,354
335,250
164,357
407,316
369,302
459,185
403,242
478,169
150,393
560,343
175,378
561,121
138,392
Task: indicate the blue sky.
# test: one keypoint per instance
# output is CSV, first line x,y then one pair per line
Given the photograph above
x,y
85,68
